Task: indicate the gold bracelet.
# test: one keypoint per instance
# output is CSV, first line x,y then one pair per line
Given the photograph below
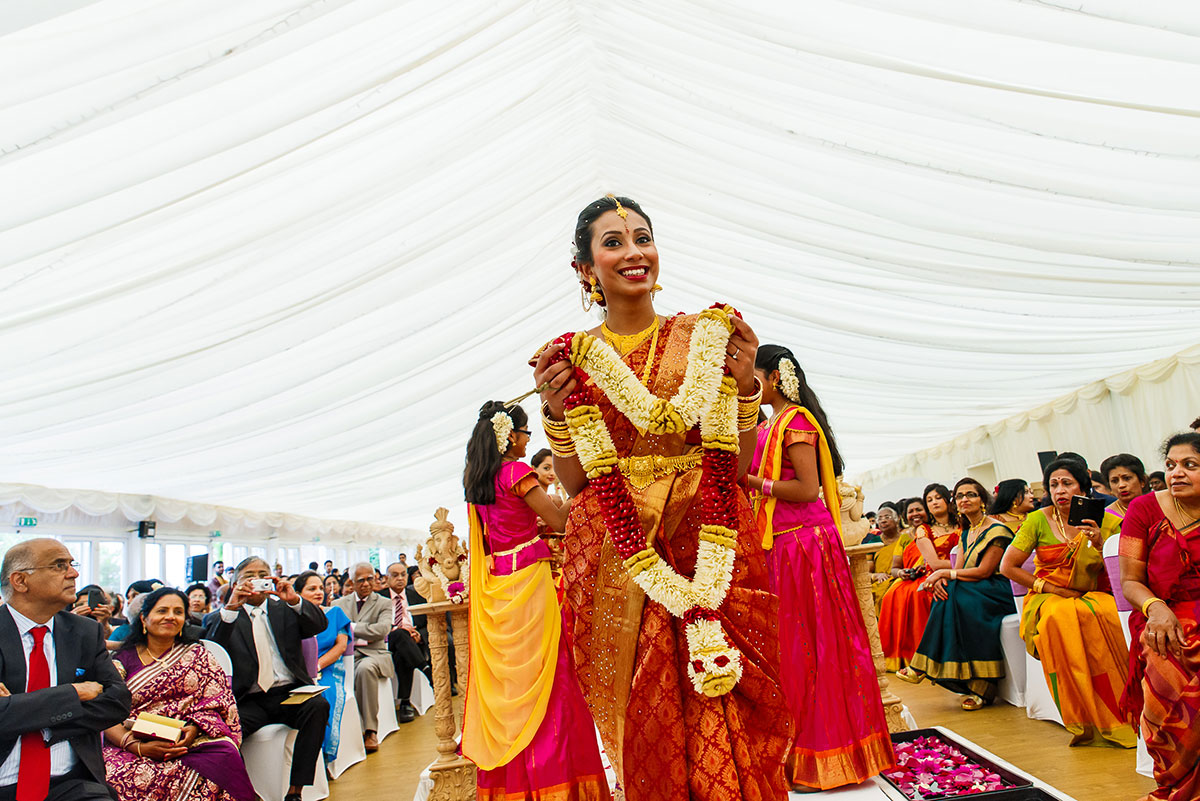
x,y
1149,602
1039,586
953,574
749,405
558,428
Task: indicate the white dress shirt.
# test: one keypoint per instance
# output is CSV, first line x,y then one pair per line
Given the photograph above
x,y
283,676
62,758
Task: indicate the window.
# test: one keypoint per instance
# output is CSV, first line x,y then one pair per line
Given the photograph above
x,y
152,560
175,566
110,564
82,551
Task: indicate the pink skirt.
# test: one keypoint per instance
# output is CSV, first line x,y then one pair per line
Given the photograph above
x,y
562,762
828,677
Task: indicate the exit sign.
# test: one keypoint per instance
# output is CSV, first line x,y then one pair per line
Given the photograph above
x,y
26,522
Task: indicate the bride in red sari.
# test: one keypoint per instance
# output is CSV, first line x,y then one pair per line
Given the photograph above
x,y
669,734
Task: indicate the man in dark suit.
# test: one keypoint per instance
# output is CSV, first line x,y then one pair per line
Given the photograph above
x,y
59,687
261,630
403,643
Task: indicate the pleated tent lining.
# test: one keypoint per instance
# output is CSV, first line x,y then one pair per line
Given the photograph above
x,y
274,255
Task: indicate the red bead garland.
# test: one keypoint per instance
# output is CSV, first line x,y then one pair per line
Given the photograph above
x,y
718,503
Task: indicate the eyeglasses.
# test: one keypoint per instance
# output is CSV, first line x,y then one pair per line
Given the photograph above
x,y
962,496
524,431
61,566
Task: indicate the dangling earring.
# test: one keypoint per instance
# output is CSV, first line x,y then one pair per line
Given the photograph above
x,y
597,294
585,300
655,291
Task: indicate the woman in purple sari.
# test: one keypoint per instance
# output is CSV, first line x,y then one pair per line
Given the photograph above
x,y
175,677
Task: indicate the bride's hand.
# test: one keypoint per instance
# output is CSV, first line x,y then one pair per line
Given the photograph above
x,y
560,376
740,353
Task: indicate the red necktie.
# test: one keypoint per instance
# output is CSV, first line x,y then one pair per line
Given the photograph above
x,y
33,777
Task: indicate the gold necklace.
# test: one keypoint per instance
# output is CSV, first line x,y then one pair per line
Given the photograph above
x,y
1183,513
1120,507
624,344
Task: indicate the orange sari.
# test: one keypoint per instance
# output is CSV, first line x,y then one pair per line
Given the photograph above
x,y
667,742
904,610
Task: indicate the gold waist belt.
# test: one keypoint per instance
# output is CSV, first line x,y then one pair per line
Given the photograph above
x,y
641,471
519,548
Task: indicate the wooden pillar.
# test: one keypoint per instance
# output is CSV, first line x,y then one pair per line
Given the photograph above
x,y
453,776
862,558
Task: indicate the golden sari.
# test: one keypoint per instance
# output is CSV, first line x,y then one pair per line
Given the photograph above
x,y
665,740
1078,640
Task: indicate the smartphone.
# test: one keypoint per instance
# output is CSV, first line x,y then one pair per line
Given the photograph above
x,y
95,598
261,585
1085,508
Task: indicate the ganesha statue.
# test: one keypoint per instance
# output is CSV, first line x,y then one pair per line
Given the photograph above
x,y
442,567
854,526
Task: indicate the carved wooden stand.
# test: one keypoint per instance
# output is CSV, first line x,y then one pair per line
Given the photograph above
x,y
453,776
861,561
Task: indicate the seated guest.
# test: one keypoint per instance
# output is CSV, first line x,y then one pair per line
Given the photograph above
x,y
121,632
404,642
262,631
102,613
333,589
118,605
329,569
371,615
199,603
905,609
331,645
1103,495
1126,476
347,585
1069,620
1160,576
64,689
169,673
893,540
1099,484
960,649
1012,504
1157,481
421,624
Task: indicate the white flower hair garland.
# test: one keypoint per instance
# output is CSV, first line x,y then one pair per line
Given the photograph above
x,y
502,425
788,381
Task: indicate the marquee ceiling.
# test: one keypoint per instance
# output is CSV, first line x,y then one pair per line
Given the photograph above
x,y
275,254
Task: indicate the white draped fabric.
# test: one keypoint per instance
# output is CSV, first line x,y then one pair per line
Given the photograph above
x,y
275,254
1132,412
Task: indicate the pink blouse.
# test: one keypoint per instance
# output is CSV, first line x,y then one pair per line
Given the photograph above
x,y
788,515
511,526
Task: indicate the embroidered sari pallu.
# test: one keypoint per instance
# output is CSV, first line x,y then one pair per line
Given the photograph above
x,y
666,741
525,724
904,610
1164,692
960,649
828,677
186,683
1078,640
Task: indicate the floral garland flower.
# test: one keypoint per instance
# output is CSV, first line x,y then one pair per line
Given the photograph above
x,y
788,381
502,425
456,591
714,665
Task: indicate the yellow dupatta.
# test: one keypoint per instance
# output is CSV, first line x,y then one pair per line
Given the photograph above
x,y
771,466
515,629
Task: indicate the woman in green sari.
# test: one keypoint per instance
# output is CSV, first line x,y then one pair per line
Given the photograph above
x,y
961,647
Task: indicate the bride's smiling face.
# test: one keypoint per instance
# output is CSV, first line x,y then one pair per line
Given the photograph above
x,y
624,257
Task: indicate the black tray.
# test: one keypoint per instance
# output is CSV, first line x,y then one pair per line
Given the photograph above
x,y
1020,789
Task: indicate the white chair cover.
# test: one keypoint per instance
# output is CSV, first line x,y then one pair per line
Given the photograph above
x,y
221,655
422,693
350,746
387,710
1012,686
268,757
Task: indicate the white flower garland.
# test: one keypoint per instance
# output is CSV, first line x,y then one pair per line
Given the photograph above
x,y
464,579
709,397
706,368
502,425
788,381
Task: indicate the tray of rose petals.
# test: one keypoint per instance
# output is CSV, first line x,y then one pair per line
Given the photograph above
x,y
931,764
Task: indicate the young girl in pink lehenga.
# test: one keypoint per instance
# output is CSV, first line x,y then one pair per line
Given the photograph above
x,y
825,662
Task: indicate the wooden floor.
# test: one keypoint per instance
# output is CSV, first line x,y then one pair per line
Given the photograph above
x,y
1035,746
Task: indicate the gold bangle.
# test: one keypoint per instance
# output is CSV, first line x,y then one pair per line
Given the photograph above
x,y
752,401
953,574
1150,602
1039,586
